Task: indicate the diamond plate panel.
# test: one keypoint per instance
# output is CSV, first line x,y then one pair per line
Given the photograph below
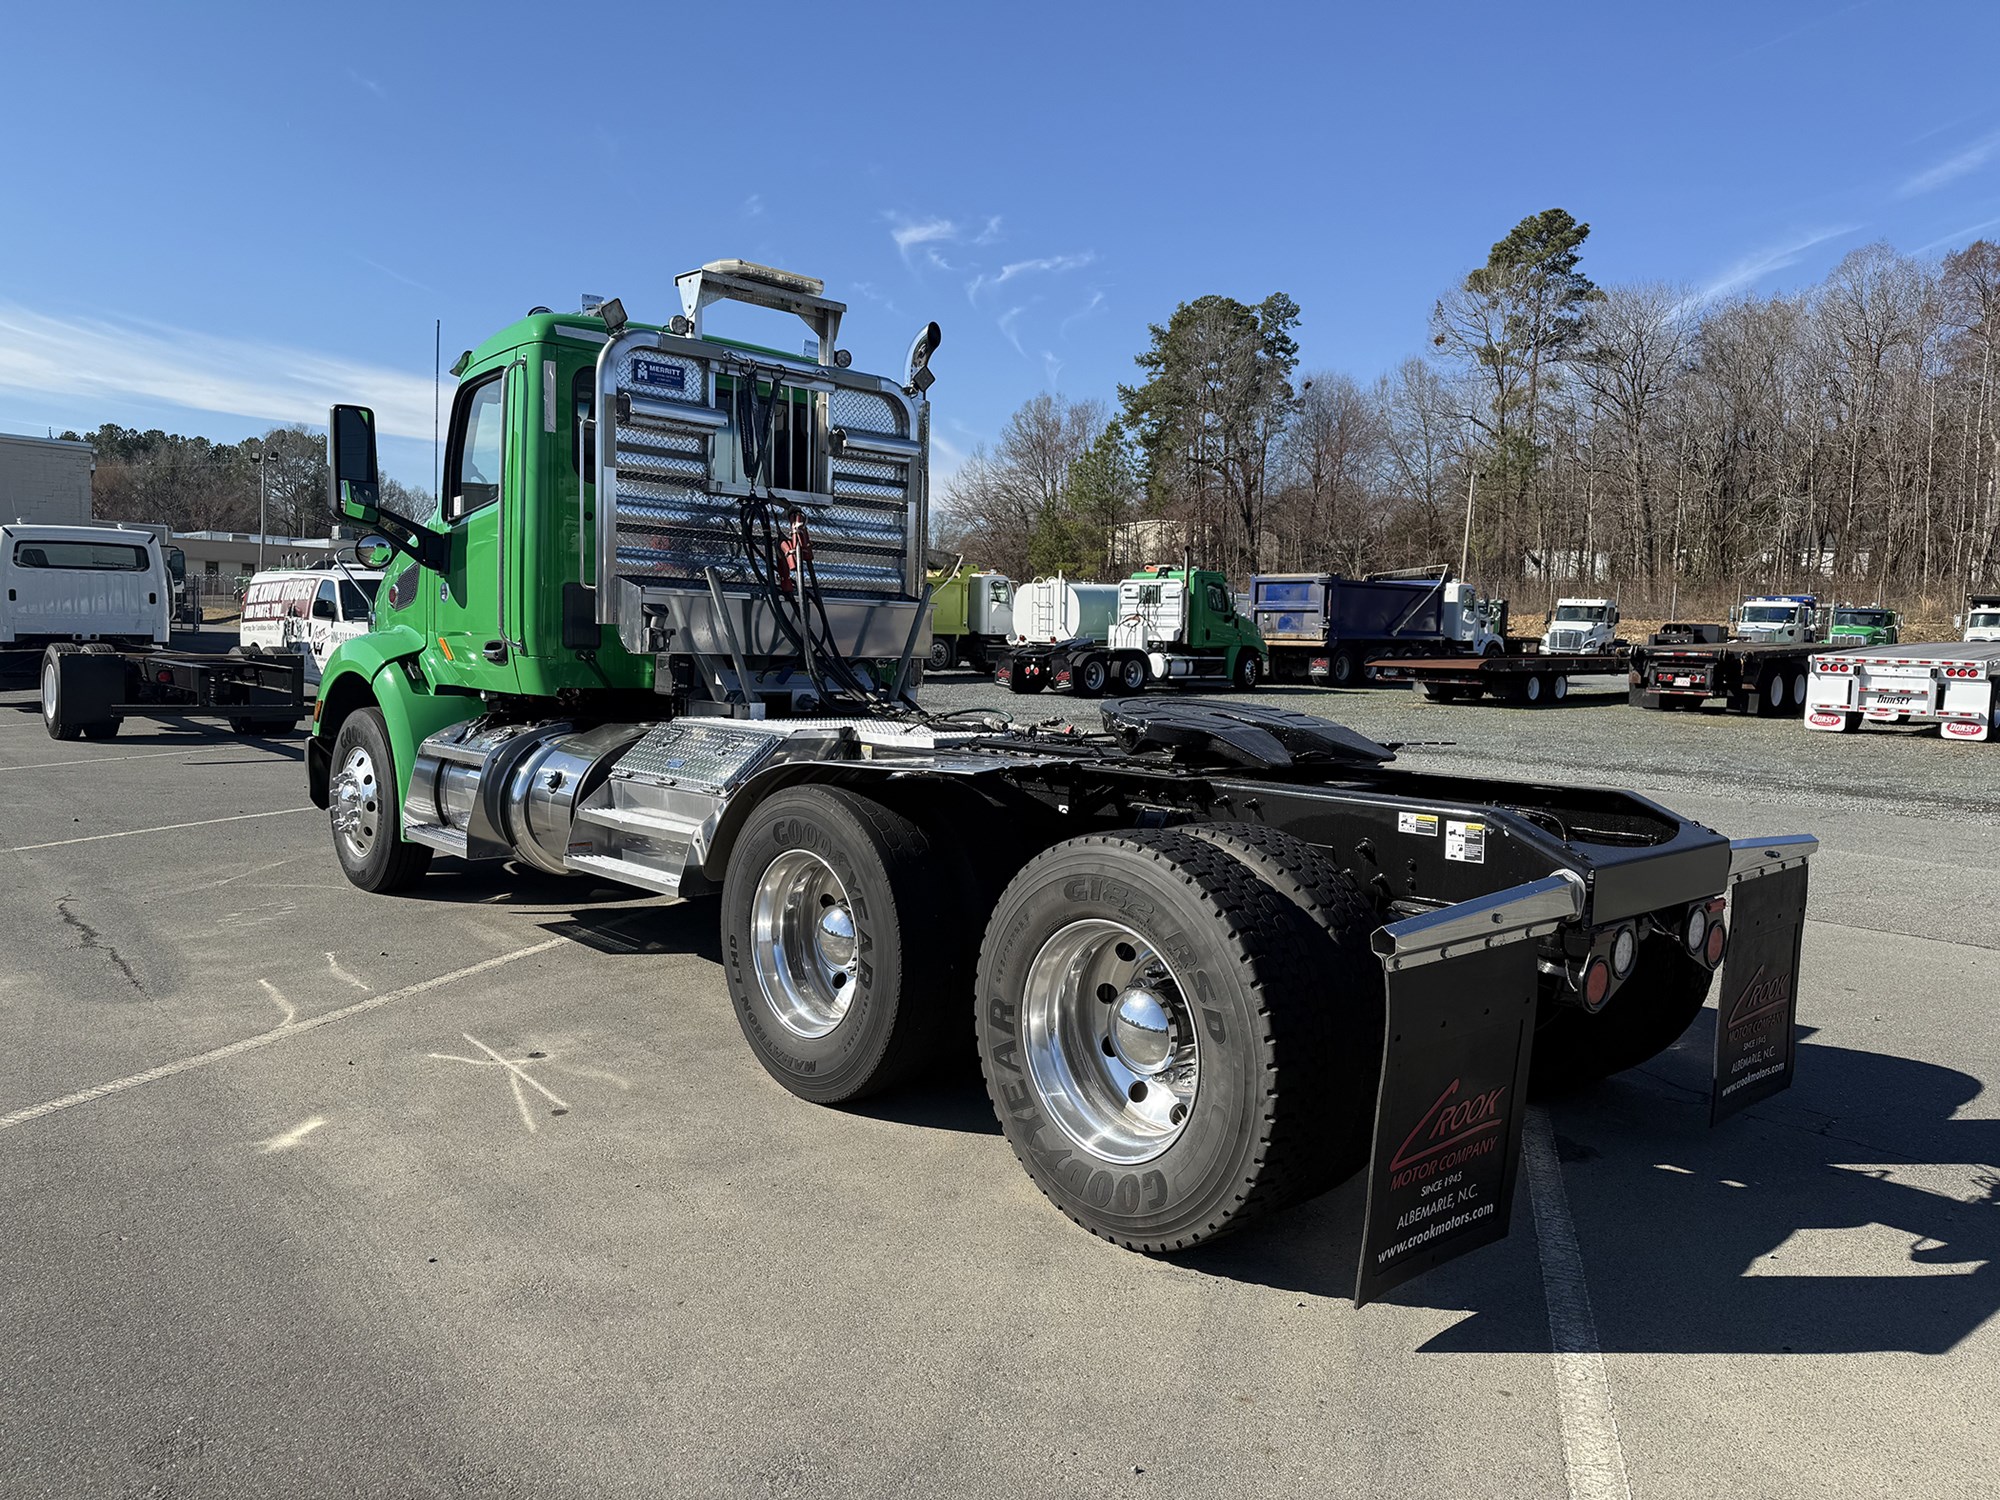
x,y
692,752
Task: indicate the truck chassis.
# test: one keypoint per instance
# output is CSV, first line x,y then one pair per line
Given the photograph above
x,y
88,691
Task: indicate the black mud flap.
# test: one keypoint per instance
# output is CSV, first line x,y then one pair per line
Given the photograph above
x,y
1759,995
1462,986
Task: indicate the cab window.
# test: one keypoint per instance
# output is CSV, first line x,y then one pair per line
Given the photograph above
x,y
474,477
356,600
323,605
1218,602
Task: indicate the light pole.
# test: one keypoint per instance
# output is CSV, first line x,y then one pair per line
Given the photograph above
x,y
262,491
1465,552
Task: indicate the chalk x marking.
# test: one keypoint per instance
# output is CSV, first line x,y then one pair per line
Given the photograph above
x,y
265,1038
342,974
1592,1454
92,838
518,1075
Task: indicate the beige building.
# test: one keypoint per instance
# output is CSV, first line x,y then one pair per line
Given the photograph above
x,y
45,480
218,560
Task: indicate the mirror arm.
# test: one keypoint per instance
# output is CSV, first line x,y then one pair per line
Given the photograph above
x,y
412,540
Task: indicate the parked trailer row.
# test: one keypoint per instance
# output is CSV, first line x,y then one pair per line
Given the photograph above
x,y
1760,677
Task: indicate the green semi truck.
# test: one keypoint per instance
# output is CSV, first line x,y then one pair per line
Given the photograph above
x,y
664,630
1167,626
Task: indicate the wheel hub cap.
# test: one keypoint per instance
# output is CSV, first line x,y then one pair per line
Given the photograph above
x,y
1142,1032
353,802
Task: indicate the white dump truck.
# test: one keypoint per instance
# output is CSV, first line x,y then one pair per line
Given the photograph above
x,y
1946,683
1581,627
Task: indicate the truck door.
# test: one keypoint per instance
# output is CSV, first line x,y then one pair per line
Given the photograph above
x,y
319,623
470,624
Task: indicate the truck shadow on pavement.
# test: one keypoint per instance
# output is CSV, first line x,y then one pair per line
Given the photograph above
x,y
1855,1214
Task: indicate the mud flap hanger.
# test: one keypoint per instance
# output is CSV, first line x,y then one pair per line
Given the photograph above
x,y
1459,1030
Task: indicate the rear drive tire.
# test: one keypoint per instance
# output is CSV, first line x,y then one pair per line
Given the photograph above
x,y
99,648
1152,1119
1092,674
1132,674
847,941
943,655
363,812
1342,670
1646,1016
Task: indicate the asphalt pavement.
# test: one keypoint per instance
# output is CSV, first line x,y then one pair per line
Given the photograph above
x,y
479,1191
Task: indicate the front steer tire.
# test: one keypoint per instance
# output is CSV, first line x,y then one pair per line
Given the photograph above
x,y
847,936
1238,972
363,809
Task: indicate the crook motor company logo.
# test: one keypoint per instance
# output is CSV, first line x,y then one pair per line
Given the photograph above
x,y
1458,1127
1766,992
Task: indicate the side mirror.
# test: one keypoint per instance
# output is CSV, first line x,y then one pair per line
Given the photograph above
x,y
374,551
322,609
351,467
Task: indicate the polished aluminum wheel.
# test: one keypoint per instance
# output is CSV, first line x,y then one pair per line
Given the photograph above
x,y
354,800
1110,1041
803,945
49,691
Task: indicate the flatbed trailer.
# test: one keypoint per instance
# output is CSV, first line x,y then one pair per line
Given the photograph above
x,y
1951,684
1531,678
1764,678
88,691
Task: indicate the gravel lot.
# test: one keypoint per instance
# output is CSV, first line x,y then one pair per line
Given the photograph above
x,y
491,1199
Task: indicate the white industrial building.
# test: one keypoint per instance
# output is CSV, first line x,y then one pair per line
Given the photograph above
x,y
45,480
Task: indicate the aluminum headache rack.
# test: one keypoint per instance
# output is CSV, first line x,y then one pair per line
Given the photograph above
x,y
692,432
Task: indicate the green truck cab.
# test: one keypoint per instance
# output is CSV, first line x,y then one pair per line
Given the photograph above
x,y
1870,625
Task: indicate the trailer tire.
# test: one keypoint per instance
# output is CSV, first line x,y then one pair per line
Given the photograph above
x,y
1799,691
362,809
1559,687
1091,676
1249,670
942,656
1166,1169
1647,1015
1342,670
1440,692
1132,674
866,956
1530,691
1771,696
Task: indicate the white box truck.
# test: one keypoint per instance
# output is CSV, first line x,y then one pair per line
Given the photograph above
x,y
81,583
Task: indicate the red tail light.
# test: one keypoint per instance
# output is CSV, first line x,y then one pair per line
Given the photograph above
x,y
1596,983
163,675
1718,940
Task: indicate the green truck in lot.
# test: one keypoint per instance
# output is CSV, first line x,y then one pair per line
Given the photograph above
x,y
665,630
1864,625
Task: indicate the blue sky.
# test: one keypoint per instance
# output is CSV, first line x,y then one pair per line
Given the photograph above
x,y
213,218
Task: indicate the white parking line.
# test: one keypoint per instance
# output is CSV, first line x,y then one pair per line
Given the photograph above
x,y
1592,1455
265,1038
98,760
92,838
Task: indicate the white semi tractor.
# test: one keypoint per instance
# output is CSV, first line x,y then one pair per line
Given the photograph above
x,y
1581,627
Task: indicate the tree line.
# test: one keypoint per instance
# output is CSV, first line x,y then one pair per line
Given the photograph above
x,y
197,484
1643,440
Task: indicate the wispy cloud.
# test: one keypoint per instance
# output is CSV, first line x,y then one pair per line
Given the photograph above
x,y
392,272
990,233
910,233
1959,164
753,206
1096,301
106,362
1053,367
1762,262
1005,324
368,83
1042,265
1956,237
